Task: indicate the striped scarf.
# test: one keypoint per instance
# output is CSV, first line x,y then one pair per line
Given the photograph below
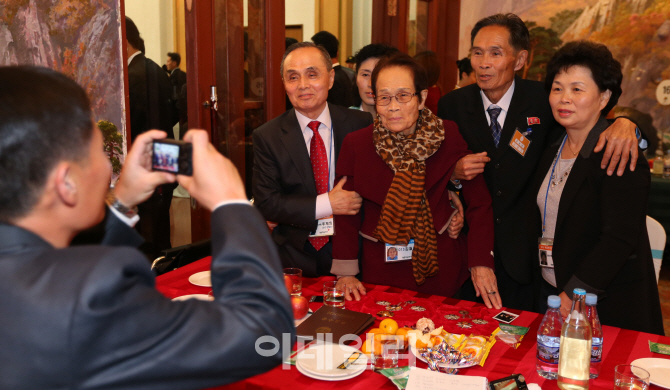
x,y
406,212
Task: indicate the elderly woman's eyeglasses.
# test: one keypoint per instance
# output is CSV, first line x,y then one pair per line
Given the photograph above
x,y
402,97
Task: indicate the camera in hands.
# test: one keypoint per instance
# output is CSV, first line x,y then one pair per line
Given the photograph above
x,y
172,156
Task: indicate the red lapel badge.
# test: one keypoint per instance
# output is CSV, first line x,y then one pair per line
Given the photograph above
x,y
533,120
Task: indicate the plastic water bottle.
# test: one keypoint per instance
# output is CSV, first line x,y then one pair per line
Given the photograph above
x,y
666,166
574,358
549,339
596,335
659,162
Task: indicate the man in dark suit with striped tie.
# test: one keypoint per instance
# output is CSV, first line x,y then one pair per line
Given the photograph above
x,y
294,162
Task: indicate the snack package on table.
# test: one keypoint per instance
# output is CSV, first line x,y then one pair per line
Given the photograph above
x,y
510,334
398,376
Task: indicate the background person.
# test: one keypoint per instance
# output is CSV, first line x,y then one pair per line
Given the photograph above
x,y
340,93
466,75
366,60
428,60
401,166
597,222
89,316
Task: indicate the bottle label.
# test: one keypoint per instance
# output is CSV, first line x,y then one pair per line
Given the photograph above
x,y
596,353
547,354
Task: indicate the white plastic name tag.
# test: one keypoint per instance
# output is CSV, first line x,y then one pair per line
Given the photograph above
x,y
325,227
399,252
546,246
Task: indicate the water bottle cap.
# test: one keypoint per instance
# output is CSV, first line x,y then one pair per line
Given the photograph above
x,y
579,291
554,301
591,299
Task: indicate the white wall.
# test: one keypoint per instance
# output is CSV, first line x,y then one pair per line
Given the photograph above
x,y
361,29
302,12
154,20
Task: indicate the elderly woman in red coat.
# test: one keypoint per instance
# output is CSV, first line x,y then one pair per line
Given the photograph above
x,y
401,166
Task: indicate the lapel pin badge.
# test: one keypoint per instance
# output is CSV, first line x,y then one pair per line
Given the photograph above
x,y
533,120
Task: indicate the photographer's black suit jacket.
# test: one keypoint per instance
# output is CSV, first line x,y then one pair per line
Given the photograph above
x,y
89,317
508,175
283,182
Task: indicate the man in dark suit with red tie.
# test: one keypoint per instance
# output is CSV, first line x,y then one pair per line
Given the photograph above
x,y
294,162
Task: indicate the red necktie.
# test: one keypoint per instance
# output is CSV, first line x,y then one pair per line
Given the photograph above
x,y
317,153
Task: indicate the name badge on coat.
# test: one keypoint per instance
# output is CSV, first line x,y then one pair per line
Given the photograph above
x,y
324,227
395,253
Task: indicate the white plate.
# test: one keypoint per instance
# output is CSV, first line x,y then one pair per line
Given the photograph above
x,y
203,279
202,297
329,378
659,370
444,365
321,360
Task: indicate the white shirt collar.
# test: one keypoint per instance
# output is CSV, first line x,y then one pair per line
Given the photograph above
x,y
324,118
172,71
133,56
336,64
503,103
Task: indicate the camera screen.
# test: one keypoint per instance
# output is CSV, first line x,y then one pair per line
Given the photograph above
x,y
166,157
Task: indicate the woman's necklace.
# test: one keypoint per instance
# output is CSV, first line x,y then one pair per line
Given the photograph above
x,y
556,179
573,152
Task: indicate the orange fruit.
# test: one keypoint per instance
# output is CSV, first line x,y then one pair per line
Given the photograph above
x,y
402,332
435,340
367,347
375,331
389,326
420,344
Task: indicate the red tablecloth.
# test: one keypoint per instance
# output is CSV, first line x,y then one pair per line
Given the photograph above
x,y
620,346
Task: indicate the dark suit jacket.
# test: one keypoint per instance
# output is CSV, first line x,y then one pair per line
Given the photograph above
x,y
178,79
340,93
601,242
371,177
508,175
283,181
150,100
89,317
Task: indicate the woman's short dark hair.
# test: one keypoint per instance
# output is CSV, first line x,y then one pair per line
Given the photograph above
x,y
464,66
403,60
46,118
519,37
605,70
428,59
373,50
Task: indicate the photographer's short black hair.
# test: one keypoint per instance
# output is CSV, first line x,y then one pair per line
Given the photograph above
x,y
328,41
288,41
464,66
519,37
133,35
605,70
46,118
175,57
403,60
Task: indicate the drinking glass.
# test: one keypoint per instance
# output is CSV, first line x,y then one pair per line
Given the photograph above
x,y
628,377
332,295
385,349
295,274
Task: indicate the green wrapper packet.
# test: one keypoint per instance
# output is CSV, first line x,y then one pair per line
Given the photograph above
x,y
510,334
397,375
659,348
513,329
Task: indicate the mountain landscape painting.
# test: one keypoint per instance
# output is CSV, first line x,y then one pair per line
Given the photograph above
x,y
636,31
80,38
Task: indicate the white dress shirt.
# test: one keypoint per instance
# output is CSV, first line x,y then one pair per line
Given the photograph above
x,y
133,56
503,103
323,208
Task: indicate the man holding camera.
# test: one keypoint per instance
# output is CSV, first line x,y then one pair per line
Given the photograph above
x,y
89,316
